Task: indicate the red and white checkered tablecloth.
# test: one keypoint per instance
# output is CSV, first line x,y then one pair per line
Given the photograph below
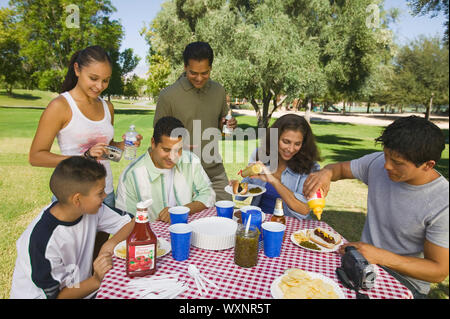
x,y
246,283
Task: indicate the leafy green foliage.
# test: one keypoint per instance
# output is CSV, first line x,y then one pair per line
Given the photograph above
x,y
420,72
42,35
10,61
265,49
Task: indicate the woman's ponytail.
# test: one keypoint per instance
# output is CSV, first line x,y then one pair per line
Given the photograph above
x,y
71,78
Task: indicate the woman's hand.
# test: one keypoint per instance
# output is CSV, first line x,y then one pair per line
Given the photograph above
x,y
97,150
265,175
137,143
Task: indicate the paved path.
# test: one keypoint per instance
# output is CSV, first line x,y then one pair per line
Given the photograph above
x,y
355,118
377,119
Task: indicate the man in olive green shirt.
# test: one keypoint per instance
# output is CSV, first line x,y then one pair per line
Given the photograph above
x,y
199,103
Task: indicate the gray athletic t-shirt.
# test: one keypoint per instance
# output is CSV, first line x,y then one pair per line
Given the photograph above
x,y
401,216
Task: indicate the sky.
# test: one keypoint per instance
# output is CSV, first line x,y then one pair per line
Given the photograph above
x,y
134,14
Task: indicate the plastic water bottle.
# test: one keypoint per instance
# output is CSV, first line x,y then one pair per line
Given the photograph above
x,y
130,148
226,131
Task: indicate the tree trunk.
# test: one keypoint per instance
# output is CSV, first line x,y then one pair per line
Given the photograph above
x,y
257,110
264,122
295,104
428,111
305,103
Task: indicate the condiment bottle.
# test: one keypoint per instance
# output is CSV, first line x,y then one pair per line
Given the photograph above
x,y
278,213
251,170
317,203
227,131
141,244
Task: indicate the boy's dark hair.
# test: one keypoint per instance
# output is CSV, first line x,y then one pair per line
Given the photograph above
x,y
168,126
83,58
304,160
198,51
415,138
75,175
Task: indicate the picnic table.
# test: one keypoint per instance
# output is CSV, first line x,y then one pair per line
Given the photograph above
x,y
246,283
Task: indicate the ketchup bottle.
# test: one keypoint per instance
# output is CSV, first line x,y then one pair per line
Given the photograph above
x,y
141,245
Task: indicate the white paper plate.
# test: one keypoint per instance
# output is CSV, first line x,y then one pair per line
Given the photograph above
x,y
278,294
322,249
229,190
163,244
213,233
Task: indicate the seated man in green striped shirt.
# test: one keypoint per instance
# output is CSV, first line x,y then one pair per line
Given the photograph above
x,y
167,174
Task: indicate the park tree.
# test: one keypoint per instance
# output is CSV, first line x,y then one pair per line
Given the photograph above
x,y
159,65
50,31
265,49
421,74
11,70
123,63
356,46
134,87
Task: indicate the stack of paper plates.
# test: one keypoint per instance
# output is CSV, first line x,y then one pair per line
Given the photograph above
x,y
213,233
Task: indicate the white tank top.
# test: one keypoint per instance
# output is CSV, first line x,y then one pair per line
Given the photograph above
x,y
82,133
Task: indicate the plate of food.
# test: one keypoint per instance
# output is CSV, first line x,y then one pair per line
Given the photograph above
x,y
300,284
163,248
244,189
317,239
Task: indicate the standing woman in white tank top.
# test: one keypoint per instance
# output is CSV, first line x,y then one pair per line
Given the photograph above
x,y
80,120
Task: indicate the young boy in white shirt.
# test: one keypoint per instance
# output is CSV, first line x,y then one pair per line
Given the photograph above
x,y
55,252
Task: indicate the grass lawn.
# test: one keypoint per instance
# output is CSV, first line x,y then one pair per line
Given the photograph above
x,y
37,98
24,189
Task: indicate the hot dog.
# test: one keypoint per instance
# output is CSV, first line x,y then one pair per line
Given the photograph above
x,y
324,238
240,188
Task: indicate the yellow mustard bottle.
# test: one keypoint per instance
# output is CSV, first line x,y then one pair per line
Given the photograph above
x,y
317,203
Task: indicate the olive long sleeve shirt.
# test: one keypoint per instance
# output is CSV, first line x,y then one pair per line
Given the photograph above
x,y
198,110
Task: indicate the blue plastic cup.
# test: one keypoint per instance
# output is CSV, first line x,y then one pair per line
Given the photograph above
x,y
256,219
225,208
179,214
273,238
180,239
245,209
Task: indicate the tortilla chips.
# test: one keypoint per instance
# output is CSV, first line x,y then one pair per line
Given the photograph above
x,y
298,284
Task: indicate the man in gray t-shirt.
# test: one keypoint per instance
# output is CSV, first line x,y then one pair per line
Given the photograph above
x,y
407,225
